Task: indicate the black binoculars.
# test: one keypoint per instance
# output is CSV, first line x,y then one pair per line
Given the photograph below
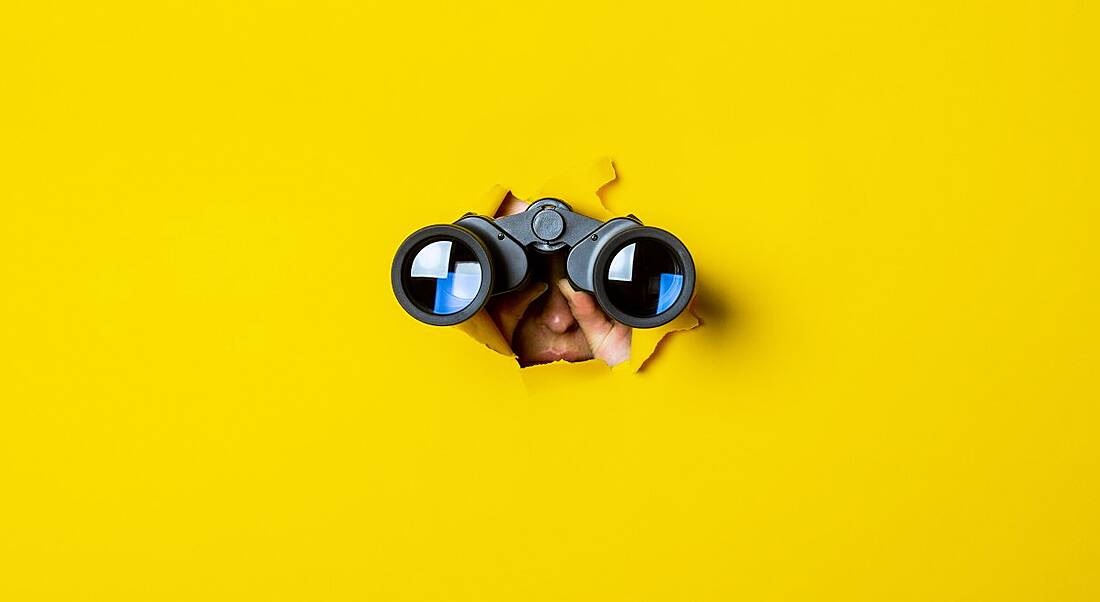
x,y
640,275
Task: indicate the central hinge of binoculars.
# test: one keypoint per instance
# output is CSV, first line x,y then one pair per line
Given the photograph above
x,y
548,225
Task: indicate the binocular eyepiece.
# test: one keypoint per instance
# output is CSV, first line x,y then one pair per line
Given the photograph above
x,y
641,276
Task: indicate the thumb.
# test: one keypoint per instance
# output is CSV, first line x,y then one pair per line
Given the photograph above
x,y
609,340
591,319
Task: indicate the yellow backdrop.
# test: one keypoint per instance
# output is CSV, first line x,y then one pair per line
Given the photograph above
x,y
207,391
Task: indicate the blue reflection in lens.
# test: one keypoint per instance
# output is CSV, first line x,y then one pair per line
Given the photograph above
x,y
443,276
458,289
671,285
644,278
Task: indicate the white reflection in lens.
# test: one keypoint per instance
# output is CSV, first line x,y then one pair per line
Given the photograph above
x,y
622,265
432,260
467,280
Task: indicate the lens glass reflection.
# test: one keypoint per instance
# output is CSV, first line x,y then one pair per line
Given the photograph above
x,y
443,275
644,278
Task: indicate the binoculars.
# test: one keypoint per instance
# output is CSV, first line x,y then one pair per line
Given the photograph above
x,y
641,276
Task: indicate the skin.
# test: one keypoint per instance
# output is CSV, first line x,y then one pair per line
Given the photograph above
x,y
549,321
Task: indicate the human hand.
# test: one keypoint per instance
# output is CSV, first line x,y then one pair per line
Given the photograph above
x,y
608,340
545,323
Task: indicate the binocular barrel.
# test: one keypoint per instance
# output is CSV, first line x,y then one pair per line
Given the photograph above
x,y
641,276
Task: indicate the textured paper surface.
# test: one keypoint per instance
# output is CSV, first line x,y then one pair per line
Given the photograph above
x,y
208,391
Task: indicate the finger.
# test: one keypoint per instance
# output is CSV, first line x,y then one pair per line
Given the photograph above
x,y
609,340
616,346
509,309
591,319
511,206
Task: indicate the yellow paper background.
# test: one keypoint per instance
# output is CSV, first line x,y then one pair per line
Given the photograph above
x,y
207,391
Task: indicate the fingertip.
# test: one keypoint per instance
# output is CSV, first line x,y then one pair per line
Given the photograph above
x,y
582,303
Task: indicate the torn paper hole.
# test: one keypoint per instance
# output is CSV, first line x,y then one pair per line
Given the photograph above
x,y
580,189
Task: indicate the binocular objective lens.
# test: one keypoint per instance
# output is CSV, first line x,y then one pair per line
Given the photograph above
x,y
441,275
644,278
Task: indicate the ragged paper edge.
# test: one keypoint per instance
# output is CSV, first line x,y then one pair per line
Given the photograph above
x,y
579,187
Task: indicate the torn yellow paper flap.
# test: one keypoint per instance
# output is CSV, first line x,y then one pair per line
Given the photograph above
x,y
644,341
563,376
491,200
484,330
580,188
